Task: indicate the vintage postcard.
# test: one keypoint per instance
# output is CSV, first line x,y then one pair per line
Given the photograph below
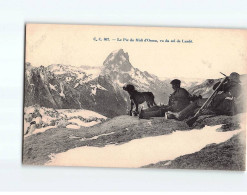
x,y
135,97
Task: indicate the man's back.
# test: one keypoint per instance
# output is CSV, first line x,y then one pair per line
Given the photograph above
x,y
179,99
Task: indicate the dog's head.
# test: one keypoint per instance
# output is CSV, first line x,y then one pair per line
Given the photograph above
x,y
129,88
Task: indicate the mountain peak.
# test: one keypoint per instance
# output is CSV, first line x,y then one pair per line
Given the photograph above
x,y
118,60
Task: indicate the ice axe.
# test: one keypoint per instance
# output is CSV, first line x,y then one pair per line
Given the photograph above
x,y
193,119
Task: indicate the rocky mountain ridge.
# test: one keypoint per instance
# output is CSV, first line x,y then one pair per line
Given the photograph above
x,y
93,88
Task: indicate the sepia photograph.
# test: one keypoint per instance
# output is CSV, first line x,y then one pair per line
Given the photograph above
x,y
134,97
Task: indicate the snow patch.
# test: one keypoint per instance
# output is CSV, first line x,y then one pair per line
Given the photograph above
x,y
52,87
82,73
73,126
74,137
144,151
67,79
95,87
81,123
92,123
41,130
96,137
123,58
38,120
61,93
77,123
46,118
94,91
76,85
29,109
100,87
87,114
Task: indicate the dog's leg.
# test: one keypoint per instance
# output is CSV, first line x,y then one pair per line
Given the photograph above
x,y
136,109
131,107
152,101
149,104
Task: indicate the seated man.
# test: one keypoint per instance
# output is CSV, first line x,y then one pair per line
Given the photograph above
x,y
178,100
228,101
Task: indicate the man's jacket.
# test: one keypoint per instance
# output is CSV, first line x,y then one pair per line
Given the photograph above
x,y
179,99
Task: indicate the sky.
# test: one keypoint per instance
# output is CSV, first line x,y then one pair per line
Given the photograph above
x,y
211,51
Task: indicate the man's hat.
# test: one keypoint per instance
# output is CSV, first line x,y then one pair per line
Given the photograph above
x,y
235,77
175,82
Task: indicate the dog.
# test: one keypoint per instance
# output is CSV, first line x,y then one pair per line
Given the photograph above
x,y
137,98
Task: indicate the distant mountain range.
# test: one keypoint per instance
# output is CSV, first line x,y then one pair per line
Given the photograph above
x,y
96,88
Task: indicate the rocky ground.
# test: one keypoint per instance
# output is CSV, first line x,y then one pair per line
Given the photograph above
x,y
37,148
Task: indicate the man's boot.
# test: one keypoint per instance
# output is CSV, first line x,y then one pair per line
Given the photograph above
x,y
171,115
